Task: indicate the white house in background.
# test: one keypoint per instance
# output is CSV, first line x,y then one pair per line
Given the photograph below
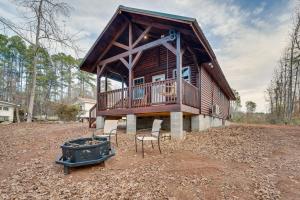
x,y
85,105
7,111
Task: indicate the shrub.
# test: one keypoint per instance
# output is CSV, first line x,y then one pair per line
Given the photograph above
x,y
67,112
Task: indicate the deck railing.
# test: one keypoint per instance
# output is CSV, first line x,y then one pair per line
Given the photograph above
x,y
190,94
148,94
92,115
160,92
113,99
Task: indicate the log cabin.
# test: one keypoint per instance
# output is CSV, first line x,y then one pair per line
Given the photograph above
x,y
144,51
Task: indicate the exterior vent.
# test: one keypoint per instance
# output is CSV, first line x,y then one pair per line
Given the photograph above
x,y
215,109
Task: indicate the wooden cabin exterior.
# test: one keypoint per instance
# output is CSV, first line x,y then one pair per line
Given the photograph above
x,y
144,50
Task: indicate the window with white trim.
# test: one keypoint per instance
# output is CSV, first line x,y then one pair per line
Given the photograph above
x,y
5,108
186,73
138,93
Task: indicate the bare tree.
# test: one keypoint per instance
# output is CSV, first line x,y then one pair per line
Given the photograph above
x,y
41,28
284,92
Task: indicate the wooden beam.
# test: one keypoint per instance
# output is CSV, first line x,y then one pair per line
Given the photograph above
x,y
130,81
163,26
125,62
142,110
123,46
137,49
136,58
110,44
141,36
130,35
182,30
101,69
170,47
179,68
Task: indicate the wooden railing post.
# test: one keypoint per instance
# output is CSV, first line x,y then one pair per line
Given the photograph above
x,y
92,119
179,68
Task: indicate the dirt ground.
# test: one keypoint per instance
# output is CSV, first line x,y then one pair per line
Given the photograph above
x,y
237,162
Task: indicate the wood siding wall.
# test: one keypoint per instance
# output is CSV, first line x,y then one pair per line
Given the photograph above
x,y
210,96
154,62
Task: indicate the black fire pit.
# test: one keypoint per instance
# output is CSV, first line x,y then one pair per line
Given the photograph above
x,y
84,151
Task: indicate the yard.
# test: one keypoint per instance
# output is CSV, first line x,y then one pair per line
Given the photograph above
x,y
237,162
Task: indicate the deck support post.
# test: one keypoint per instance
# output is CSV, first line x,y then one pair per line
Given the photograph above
x,y
122,95
100,122
131,124
130,82
179,69
98,88
176,119
130,64
200,122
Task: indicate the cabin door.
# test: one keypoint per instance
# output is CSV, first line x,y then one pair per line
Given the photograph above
x,y
158,89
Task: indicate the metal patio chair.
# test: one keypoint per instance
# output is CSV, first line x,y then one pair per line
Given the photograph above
x,y
110,130
154,135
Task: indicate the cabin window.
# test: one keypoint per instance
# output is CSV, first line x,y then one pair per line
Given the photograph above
x,y
5,108
138,93
186,73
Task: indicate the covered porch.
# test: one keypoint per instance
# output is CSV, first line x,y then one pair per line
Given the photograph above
x,y
158,65
158,96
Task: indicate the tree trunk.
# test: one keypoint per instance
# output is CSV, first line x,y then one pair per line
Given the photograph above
x,y
32,90
17,114
69,84
36,48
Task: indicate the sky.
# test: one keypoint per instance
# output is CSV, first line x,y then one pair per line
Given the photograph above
x,y
247,36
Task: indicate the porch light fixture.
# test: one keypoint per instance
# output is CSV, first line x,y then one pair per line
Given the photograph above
x,y
211,65
145,37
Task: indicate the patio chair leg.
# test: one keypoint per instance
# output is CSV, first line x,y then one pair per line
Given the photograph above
x,y
66,170
135,144
159,145
152,144
143,147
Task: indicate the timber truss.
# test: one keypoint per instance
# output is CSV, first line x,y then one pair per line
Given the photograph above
x,y
133,49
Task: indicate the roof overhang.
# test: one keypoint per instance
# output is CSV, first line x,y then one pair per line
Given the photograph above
x,y
7,103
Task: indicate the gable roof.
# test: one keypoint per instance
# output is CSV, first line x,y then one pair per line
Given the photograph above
x,y
187,23
84,100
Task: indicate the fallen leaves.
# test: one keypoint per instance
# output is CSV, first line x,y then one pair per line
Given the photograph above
x,y
238,162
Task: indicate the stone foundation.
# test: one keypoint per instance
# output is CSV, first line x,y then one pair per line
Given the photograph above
x,y
131,124
100,122
202,122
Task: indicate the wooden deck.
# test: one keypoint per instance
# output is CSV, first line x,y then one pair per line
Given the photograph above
x,y
154,97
